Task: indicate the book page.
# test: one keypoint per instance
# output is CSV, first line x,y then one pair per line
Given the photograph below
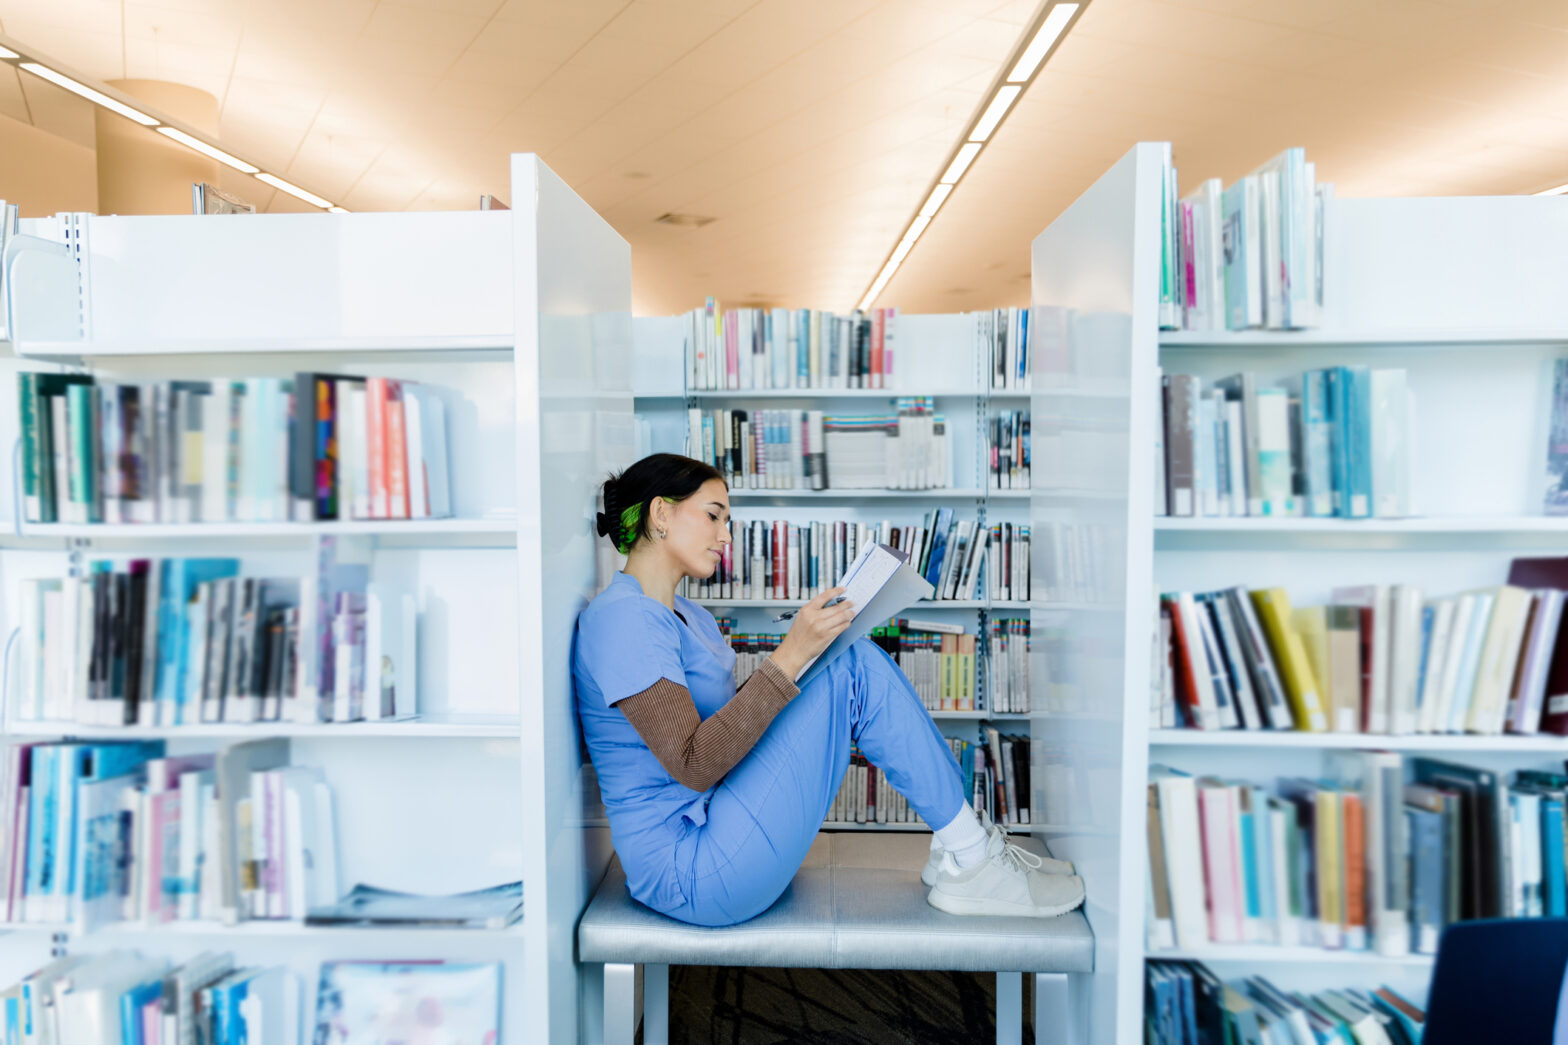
x,y
904,587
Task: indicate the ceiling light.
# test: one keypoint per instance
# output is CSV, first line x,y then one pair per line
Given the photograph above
x,y
1040,46
337,210
935,200
96,97
966,155
994,112
208,150
293,190
1559,191
916,227
6,52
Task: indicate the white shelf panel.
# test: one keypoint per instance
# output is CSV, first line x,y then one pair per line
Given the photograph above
x,y
1472,532
448,726
976,716
831,393
1478,337
260,929
1267,739
1429,524
784,604
1266,953
877,827
936,493
496,343
501,531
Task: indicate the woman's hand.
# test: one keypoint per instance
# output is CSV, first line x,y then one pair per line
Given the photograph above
x,y
815,626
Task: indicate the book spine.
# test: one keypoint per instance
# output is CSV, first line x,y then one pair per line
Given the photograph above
x,y
396,450
376,446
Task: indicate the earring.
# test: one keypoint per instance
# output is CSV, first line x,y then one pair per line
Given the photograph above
x,y
661,533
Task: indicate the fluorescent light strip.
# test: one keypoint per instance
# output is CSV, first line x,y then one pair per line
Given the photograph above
x,y
934,201
293,190
43,72
6,52
1559,191
966,155
208,150
1040,46
997,107
1005,97
337,210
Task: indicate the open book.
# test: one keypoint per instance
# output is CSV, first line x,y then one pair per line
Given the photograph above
x,y
879,583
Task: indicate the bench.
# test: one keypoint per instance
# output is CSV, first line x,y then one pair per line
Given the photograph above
x,y
857,903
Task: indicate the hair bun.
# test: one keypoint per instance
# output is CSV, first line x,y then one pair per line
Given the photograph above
x,y
606,525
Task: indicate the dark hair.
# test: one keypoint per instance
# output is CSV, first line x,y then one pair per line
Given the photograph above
x,y
627,495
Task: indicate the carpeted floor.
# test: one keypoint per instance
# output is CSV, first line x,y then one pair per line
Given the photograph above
x,y
722,1006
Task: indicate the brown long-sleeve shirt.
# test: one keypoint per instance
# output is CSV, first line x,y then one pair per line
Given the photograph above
x,y
698,752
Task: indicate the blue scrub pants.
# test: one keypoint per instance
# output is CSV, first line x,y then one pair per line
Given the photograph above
x,y
767,811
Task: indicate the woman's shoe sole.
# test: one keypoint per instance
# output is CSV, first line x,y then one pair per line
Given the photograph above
x,y
965,905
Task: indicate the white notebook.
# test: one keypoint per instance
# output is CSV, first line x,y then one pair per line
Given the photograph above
x,y
880,583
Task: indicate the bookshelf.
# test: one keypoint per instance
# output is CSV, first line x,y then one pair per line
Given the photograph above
x,y
1453,291
938,356
524,316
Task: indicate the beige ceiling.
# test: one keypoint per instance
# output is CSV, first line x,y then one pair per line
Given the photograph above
x,y
810,129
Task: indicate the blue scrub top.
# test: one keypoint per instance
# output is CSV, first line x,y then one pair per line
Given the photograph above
x,y
625,642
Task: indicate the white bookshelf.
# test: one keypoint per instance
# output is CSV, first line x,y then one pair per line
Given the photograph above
x,y
1457,292
937,356
524,316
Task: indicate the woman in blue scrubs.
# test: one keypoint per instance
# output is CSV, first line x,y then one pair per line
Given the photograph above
x,y
714,794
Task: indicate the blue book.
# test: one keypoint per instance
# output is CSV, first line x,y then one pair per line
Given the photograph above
x,y
131,1003
1426,879
1317,464
1552,859
1337,402
1023,345
228,994
1249,866
1428,614
1189,1008
77,764
1263,842
803,348
944,520
177,583
1358,438
41,856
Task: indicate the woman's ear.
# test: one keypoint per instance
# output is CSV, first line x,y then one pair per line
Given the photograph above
x,y
659,514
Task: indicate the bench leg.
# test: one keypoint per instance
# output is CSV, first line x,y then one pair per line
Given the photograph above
x,y
1053,1013
1009,1008
620,1004
655,1005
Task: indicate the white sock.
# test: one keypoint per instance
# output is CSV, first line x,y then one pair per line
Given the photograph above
x,y
964,838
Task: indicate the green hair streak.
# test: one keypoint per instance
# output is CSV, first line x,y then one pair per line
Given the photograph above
x,y
630,519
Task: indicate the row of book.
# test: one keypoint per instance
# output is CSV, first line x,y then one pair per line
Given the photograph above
x,y
1378,659
1335,442
751,348
317,446
128,998
1009,464
172,642
1367,858
777,559
1075,564
1247,256
943,662
908,449
1186,1004
96,833
995,771
1004,336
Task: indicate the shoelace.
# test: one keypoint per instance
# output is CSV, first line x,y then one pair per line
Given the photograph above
x,y
1020,858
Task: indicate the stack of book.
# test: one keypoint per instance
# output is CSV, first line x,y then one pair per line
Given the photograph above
x,y
92,834
751,348
1247,256
1009,464
1305,448
776,559
126,997
360,1002
995,772
1000,775
319,446
1007,666
865,796
1005,337
1186,1004
174,642
1361,860
1378,659
939,660
807,450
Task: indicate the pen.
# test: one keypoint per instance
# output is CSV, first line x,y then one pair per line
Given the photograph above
x,y
791,614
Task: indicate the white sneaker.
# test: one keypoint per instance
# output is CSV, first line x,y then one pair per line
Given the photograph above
x,y
1009,881
1048,865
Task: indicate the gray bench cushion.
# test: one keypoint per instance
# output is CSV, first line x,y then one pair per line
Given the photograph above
x,y
857,903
